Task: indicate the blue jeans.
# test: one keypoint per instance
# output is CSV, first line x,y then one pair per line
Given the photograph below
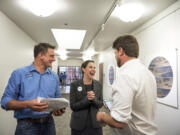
x,y
25,127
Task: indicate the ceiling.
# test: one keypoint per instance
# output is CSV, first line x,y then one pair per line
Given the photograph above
x,y
84,15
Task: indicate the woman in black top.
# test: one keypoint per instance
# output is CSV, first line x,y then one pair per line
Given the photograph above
x,y
85,100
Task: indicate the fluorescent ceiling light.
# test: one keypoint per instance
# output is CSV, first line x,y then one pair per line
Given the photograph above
x,y
129,12
41,8
68,38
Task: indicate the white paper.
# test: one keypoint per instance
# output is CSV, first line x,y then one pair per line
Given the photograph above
x,y
54,103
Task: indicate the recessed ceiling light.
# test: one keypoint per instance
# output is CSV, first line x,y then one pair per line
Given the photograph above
x,y
129,12
69,38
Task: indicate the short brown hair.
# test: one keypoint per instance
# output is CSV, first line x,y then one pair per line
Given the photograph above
x,y
42,47
128,43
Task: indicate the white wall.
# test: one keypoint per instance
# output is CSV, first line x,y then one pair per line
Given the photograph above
x,y
107,58
160,34
96,62
16,50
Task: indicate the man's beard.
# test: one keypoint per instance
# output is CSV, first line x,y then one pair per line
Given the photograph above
x,y
118,62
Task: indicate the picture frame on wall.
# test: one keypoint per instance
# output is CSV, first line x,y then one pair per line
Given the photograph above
x,y
164,68
111,74
68,74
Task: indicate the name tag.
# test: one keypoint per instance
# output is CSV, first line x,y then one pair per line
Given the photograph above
x,y
29,75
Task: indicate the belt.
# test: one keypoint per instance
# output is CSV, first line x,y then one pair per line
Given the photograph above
x,y
36,120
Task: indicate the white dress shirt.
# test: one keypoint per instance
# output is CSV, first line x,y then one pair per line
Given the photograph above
x,y
134,99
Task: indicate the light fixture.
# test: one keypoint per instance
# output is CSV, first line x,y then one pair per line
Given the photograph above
x,y
41,8
87,55
62,53
129,12
69,38
63,57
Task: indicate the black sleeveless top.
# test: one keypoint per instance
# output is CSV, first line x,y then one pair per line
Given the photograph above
x,y
88,122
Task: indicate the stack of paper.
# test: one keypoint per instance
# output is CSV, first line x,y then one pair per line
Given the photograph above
x,y
54,103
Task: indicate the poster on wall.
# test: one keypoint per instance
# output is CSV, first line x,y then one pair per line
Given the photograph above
x,y
164,68
111,74
68,74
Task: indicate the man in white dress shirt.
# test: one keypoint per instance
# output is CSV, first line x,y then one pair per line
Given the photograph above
x,y
134,93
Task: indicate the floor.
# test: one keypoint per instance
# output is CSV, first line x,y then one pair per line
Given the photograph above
x,y
62,122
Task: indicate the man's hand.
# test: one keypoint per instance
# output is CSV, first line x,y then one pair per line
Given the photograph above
x,y
90,95
58,112
99,118
36,106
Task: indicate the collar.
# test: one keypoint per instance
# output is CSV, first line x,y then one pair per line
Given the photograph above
x,y
33,68
129,62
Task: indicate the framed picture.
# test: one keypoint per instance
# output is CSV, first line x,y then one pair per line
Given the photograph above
x,y
68,74
111,74
164,68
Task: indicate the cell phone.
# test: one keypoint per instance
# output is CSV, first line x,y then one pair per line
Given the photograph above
x,y
107,104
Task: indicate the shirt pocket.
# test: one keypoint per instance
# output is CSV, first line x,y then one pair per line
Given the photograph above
x,y
49,87
28,89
